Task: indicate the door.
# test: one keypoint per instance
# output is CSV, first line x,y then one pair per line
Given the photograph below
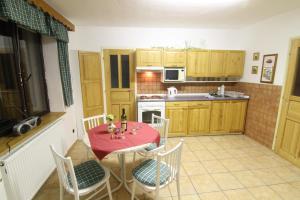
x,y
199,117
149,57
237,115
91,83
217,58
197,63
178,114
174,58
219,117
120,82
234,65
288,133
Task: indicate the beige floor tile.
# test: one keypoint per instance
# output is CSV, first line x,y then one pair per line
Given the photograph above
x,y
221,154
196,146
188,156
226,181
267,176
264,193
186,187
286,173
248,179
212,146
204,139
194,168
296,184
239,194
204,155
237,153
286,191
204,183
188,197
213,166
213,196
233,164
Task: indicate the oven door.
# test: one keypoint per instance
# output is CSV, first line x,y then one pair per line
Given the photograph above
x,y
145,115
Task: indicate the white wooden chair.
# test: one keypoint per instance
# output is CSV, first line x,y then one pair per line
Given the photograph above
x,y
155,174
81,179
162,126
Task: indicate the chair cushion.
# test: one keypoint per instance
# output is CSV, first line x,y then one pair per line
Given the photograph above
x,y
146,172
87,174
153,146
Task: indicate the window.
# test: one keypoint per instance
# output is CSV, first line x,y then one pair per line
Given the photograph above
x,y
23,89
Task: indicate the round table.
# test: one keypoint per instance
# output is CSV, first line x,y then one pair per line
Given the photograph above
x,y
102,144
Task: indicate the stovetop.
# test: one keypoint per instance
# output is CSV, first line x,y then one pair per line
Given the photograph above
x,y
149,98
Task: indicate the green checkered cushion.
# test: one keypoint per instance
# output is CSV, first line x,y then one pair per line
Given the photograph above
x,y
87,174
146,173
153,146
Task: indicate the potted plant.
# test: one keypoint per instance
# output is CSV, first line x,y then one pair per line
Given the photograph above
x,y
110,124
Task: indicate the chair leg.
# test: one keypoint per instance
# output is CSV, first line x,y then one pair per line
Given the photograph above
x,y
108,189
157,194
134,154
61,191
133,190
178,187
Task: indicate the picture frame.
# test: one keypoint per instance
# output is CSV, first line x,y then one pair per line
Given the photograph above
x,y
256,56
268,68
254,70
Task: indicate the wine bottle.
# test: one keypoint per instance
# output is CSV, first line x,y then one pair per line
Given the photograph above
x,y
123,120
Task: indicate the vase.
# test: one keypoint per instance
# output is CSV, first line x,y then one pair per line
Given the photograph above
x,y
110,126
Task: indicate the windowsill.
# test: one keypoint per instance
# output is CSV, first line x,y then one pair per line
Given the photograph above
x,y
10,143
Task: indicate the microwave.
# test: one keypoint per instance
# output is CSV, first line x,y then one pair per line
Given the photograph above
x,y
174,74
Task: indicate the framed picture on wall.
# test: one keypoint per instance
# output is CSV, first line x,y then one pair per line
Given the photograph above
x,y
256,56
254,70
268,68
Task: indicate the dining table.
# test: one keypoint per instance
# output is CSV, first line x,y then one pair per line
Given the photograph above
x,y
136,138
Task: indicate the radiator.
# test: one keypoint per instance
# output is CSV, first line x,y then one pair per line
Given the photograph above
x,y
25,170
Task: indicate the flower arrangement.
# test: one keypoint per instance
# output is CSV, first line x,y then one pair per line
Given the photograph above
x,y
110,117
111,126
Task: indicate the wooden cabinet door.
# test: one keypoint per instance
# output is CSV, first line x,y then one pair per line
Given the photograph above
x,y
174,58
149,57
217,58
199,117
234,65
237,115
219,121
178,116
91,83
197,63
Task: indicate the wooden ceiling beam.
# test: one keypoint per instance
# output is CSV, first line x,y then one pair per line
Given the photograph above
x,y
45,7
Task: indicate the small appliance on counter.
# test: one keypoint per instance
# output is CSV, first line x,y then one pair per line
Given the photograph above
x,y
173,74
172,92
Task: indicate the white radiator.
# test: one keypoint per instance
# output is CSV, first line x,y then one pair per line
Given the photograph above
x,y
28,168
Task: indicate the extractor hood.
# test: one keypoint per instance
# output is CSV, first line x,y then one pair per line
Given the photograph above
x,y
149,68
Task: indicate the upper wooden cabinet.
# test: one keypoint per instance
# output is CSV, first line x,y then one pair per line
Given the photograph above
x,y
149,57
234,63
217,61
198,63
174,58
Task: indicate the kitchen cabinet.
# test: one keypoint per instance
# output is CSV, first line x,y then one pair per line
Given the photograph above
x,y
217,60
177,112
198,117
148,57
198,63
219,118
237,115
234,63
174,58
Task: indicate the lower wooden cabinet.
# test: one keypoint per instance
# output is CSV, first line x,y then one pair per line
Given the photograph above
x,y
206,117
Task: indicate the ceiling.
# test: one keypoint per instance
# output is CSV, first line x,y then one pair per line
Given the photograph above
x,y
171,13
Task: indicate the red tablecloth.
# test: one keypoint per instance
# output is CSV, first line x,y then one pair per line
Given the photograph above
x,y
102,144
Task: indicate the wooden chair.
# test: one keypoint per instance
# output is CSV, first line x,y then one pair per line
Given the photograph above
x,y
81,179
155,174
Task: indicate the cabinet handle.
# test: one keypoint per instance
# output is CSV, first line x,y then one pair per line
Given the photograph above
x,y
149,65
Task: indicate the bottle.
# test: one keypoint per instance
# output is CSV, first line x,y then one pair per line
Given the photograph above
x,y
123,121
223,90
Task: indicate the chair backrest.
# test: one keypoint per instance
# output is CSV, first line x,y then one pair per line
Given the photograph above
x,y
92,122
171,159
161,125
65,172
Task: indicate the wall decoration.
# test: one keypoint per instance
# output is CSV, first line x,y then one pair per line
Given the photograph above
x,y
268,68
254,70
256,56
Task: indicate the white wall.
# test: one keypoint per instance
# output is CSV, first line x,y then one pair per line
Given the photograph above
x,y
268,37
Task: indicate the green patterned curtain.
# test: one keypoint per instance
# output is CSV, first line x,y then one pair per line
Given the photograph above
x,y
22,13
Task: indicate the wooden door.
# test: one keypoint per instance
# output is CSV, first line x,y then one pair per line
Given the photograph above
x,y
288,133
217,59
219,119
91,83
174,58
234,64
149,57
237,115
120,82
177,112
197,63
199,117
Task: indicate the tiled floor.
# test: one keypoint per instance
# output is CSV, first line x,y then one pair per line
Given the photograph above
x,y
213,168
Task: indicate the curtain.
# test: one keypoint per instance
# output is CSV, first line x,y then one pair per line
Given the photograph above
x,y
30,17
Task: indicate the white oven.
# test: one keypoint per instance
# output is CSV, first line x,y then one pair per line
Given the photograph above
x,y
146,109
